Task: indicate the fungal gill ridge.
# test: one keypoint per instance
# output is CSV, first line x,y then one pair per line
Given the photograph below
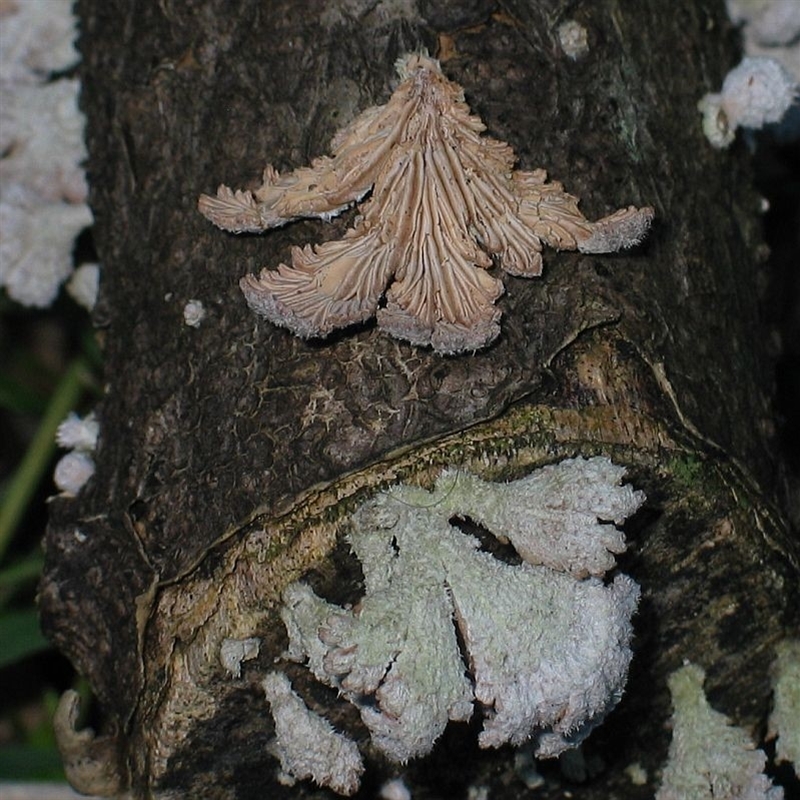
x,y
445,205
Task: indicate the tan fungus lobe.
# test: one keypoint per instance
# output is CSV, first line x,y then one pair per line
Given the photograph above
x,y
444,199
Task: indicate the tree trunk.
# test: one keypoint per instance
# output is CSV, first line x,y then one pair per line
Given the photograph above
x,y
232,453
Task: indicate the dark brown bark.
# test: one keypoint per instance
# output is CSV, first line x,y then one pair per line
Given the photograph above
x,y
231,453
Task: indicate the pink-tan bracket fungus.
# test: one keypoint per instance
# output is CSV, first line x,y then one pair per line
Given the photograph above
x,y
444,199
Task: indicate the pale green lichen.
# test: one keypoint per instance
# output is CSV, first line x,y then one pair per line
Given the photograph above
x,y
709,759
784,721
547,651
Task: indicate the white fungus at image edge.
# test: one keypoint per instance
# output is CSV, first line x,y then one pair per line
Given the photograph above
x,y
758,92
43,206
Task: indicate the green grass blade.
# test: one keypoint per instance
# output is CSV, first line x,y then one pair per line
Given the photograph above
x,y
30,471
20,635
21,571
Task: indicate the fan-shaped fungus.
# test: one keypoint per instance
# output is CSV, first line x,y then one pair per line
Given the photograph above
x,y
443,200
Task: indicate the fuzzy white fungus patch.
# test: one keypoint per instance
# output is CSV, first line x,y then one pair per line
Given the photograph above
x,y
43,204
306,744
194,313
709,759
757,92
233,651
84,285
36,38
547,649
72,471
395,789
784,722
562,516
79,435
573,39
769,28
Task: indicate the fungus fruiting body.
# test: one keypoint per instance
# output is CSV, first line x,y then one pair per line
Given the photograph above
x,y
75,468
757,92
784,722
444,204
306,745
573,38
194,313
446,630
44,190
709,759
233,652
